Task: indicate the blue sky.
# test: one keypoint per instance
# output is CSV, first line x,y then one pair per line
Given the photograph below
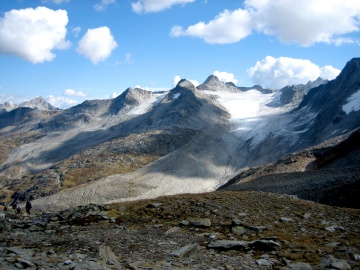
x,y
71,50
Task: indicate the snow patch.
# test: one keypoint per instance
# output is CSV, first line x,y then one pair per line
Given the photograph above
x,y
147,105
176,95
249,111
252,117
353,103
243,105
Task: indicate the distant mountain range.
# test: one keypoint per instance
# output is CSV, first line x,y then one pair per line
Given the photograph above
x,y
189,139
38,103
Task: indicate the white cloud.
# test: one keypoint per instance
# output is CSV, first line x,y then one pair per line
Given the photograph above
x,y
103,4
69,98
147,6
76,30
61,102
128,58
227,27
225,76
276,73
71,92
176,80
32,34
114,95
195,82
315,21
329,72
97,44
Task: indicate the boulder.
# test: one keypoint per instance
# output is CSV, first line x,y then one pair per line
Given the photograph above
x,y
229,244
238,230
265,245
186,251
202,222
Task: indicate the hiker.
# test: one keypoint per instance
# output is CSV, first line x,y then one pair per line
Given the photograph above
x,y
28,206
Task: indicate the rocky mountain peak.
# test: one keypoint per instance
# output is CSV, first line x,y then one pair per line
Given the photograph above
x,y
38,103
212,79
130,97
312,84
337,90
292,94
351,70
183,83
213,83
7,106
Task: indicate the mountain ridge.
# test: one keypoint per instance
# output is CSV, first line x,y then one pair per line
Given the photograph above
x,y
147,144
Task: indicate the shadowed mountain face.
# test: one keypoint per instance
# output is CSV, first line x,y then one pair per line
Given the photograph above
x,y
144,144
332,102
328,173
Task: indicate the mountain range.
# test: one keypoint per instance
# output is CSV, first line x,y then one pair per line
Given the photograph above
x,y
144,144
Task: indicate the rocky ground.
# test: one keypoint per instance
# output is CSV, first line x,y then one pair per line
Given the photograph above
x,y
328,173
219,230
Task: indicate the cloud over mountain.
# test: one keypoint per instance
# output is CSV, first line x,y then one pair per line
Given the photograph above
x,y
147,6
225,76
69,97
32,34
177,79
97,44
227,27
71,92
314,21
276,73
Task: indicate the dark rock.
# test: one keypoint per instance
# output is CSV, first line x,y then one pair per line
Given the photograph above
x,y
257,228
25,263
266,245
154,205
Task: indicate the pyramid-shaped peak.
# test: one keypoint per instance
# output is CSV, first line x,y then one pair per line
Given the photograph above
x,y
213,83
212,79
183,83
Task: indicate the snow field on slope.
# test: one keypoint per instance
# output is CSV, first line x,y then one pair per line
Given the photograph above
x,y
251,118
147,105
353,103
